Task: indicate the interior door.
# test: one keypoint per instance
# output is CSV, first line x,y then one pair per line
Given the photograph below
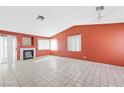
x,y
8,51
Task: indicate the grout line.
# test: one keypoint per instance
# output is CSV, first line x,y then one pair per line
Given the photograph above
x,y
106,74
15,78
94,75
87,75
114,76
41,78
86,67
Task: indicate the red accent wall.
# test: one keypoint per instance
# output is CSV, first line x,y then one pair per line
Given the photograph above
x,y
100,43
19,43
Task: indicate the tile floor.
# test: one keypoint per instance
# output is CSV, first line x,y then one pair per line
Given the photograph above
x,y
53,71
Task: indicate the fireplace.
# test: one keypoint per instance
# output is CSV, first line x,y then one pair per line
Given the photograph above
x,y
27,53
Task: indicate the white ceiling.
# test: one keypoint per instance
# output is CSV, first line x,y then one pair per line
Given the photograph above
x,y
57,18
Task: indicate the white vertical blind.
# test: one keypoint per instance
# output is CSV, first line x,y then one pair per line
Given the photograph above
x,y
1,49
11,48
7,49
74,43
43,44
53,44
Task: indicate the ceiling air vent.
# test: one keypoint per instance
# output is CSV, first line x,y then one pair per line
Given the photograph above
x,y
40,18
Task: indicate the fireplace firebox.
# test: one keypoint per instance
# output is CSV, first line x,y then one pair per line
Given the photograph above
x,y
28,54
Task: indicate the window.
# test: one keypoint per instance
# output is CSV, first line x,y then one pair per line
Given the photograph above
x,y
53,44
74,43
43,44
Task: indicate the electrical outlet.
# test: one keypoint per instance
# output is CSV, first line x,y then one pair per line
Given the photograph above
x,y
84,57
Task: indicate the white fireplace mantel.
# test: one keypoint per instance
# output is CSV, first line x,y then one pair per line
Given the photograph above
x,y
22,49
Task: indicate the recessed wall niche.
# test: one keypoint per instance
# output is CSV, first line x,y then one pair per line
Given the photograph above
x,y
27,41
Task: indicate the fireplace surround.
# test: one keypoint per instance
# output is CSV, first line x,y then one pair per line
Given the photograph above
x,y
27,53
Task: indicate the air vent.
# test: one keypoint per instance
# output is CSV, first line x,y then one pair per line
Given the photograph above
x,y
40,18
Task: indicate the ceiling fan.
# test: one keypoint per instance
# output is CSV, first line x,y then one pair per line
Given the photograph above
x,y
99,9
100,12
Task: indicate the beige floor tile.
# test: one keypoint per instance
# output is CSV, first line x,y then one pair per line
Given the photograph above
x,y
54,71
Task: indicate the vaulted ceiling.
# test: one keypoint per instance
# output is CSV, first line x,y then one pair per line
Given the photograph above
x,y
57,18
